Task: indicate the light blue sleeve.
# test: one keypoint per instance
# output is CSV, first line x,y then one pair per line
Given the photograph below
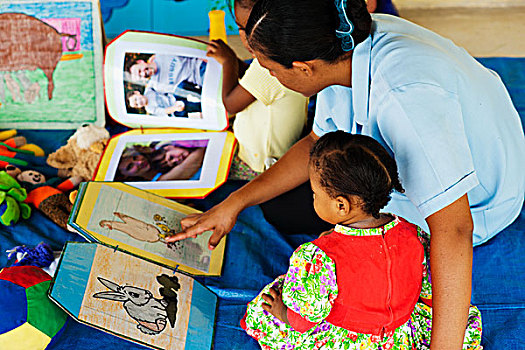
x,y
190,69
423,126
333,110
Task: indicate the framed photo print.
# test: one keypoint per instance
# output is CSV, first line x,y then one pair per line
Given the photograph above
x,y
158,80
168,162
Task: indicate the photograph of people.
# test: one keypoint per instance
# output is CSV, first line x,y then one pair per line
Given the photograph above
x,y
161,161
163,85
166,69
164,104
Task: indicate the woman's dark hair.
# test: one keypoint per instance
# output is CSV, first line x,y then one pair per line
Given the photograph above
x,y
350,164
303,30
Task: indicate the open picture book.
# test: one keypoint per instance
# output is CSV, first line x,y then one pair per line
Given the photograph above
x,y
133,298
139,222
166,88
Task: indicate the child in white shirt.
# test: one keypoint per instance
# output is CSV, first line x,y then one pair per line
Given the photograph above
x,y
269,117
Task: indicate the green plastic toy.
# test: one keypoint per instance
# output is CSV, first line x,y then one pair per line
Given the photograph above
x,y
12,197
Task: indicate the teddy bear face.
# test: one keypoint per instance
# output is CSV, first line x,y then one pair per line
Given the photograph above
x,y
31,176
89,134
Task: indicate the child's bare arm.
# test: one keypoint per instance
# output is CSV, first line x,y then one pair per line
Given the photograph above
x,y
237,100
234,96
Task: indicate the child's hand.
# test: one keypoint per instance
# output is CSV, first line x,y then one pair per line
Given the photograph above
x,y
219,50
179,105
275,306
105,224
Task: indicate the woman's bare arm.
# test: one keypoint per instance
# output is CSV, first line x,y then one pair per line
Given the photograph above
x,y
451,267
289,172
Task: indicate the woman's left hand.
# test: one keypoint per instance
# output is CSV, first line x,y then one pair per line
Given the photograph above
x,y
177,107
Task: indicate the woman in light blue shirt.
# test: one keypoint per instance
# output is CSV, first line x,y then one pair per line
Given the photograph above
x,y
447,120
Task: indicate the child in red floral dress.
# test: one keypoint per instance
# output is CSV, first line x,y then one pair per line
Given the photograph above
x,y
363,285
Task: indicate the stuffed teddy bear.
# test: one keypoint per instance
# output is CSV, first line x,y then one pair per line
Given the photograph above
x,y
81,154
48,195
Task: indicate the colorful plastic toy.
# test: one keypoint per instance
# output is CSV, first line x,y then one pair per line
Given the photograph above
x,y
28,319
12,196
217,25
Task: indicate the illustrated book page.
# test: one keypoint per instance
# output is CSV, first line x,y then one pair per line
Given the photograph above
x,y
160,80
139,222
133,298
51,64
175,163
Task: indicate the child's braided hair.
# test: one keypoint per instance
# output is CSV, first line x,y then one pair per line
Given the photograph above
x,y
350,164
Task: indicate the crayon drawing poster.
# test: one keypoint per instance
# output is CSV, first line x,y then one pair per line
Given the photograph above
x,y
139,222
51,69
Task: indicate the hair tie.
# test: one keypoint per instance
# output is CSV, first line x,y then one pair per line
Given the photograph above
x,y
345,29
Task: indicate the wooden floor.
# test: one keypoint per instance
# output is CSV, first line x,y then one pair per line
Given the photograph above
x,y
483,32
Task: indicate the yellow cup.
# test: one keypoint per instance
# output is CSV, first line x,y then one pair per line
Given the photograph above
x,y
217,25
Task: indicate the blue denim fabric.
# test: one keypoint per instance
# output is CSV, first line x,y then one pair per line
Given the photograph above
x,y
498,287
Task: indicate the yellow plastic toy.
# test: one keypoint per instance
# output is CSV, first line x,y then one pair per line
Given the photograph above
x,y
19,142
217,25
7,134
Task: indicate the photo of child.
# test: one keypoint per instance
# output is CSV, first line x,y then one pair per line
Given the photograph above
x,y
161,160
163,85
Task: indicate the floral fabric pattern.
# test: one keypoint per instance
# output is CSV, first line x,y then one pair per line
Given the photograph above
x,y
239,170
310,285
426,285
420,324
310,288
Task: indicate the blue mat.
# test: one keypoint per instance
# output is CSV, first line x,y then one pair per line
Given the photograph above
x,y
256,253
